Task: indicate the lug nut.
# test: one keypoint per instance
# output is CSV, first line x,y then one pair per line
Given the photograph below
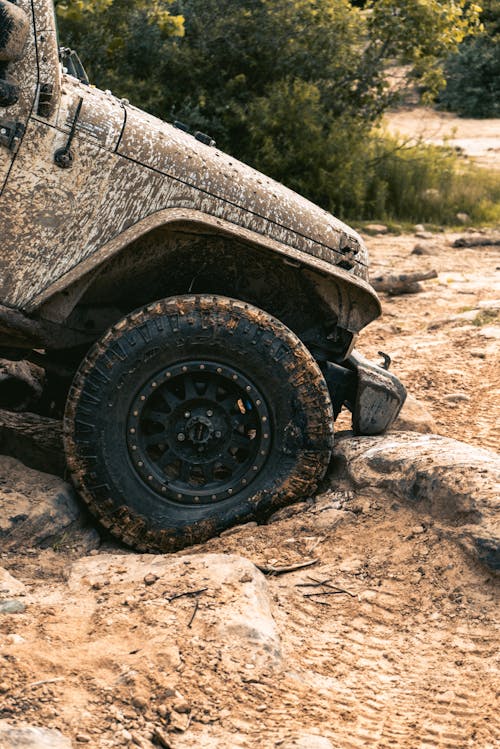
x,y
181,437
218,435
210,413
187,415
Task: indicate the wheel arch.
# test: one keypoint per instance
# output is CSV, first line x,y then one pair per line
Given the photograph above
x,y
159,245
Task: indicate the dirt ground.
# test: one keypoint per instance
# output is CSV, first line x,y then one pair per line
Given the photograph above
x,y
406,657
477,139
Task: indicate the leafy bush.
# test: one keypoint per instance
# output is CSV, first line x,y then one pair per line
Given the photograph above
x,y
473,72
473,79
428,184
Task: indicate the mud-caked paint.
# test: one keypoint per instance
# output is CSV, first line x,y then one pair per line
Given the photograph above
x,y
131,173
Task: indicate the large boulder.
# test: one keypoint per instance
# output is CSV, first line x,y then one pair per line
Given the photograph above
x,y
414,417
455,482
230,595
39,510
31,737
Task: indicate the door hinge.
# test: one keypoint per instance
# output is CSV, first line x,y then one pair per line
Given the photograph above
x,y
45,100
11,134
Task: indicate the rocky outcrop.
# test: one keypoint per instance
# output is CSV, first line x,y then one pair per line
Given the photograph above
x,y
457,483
38,509
228,598
414,417
30,737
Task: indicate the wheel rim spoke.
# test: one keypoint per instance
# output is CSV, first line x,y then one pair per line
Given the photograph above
x,y
210,446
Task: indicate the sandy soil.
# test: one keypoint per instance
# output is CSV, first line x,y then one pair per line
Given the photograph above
x,y
406,658
478,139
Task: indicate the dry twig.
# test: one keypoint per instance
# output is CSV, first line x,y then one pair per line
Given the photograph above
x,y
271,570
187,594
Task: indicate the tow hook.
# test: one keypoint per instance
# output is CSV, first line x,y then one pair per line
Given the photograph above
x,y
387,361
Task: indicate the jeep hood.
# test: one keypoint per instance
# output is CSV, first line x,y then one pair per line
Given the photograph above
x,y
178,155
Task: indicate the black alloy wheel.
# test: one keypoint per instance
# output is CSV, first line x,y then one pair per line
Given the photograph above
x,y
192,415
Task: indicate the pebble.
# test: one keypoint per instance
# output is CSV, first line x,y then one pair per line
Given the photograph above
x,y
150,579
422,249
351,565
12,607
417,530
161,738
82,738
15,639
181,705
457,398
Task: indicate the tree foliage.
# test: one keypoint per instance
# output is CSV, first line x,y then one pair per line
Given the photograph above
x,y
293,87
473,72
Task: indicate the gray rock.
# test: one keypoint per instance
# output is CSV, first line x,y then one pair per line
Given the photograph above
x,y
414,417
12,607
31,737
456,398
425,249
457,483
37,509
463,218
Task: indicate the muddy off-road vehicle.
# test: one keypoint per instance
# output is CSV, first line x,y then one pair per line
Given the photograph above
x,y
196,318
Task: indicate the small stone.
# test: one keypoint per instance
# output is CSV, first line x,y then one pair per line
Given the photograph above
x,y
424,235
126,735
477,353
463,218
376,229
82,738
150,579
9,585
246,578
181,705
161,737
417,530
179,721
457,398
140,702
354,566
163,711
12,607
428,248
15,639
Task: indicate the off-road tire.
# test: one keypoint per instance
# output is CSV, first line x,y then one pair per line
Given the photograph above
x,y
138,354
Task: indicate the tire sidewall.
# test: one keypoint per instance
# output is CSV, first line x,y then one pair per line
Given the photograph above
x,y
166,334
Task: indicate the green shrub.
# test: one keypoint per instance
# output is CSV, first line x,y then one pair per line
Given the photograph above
x,y
473,79
425,183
